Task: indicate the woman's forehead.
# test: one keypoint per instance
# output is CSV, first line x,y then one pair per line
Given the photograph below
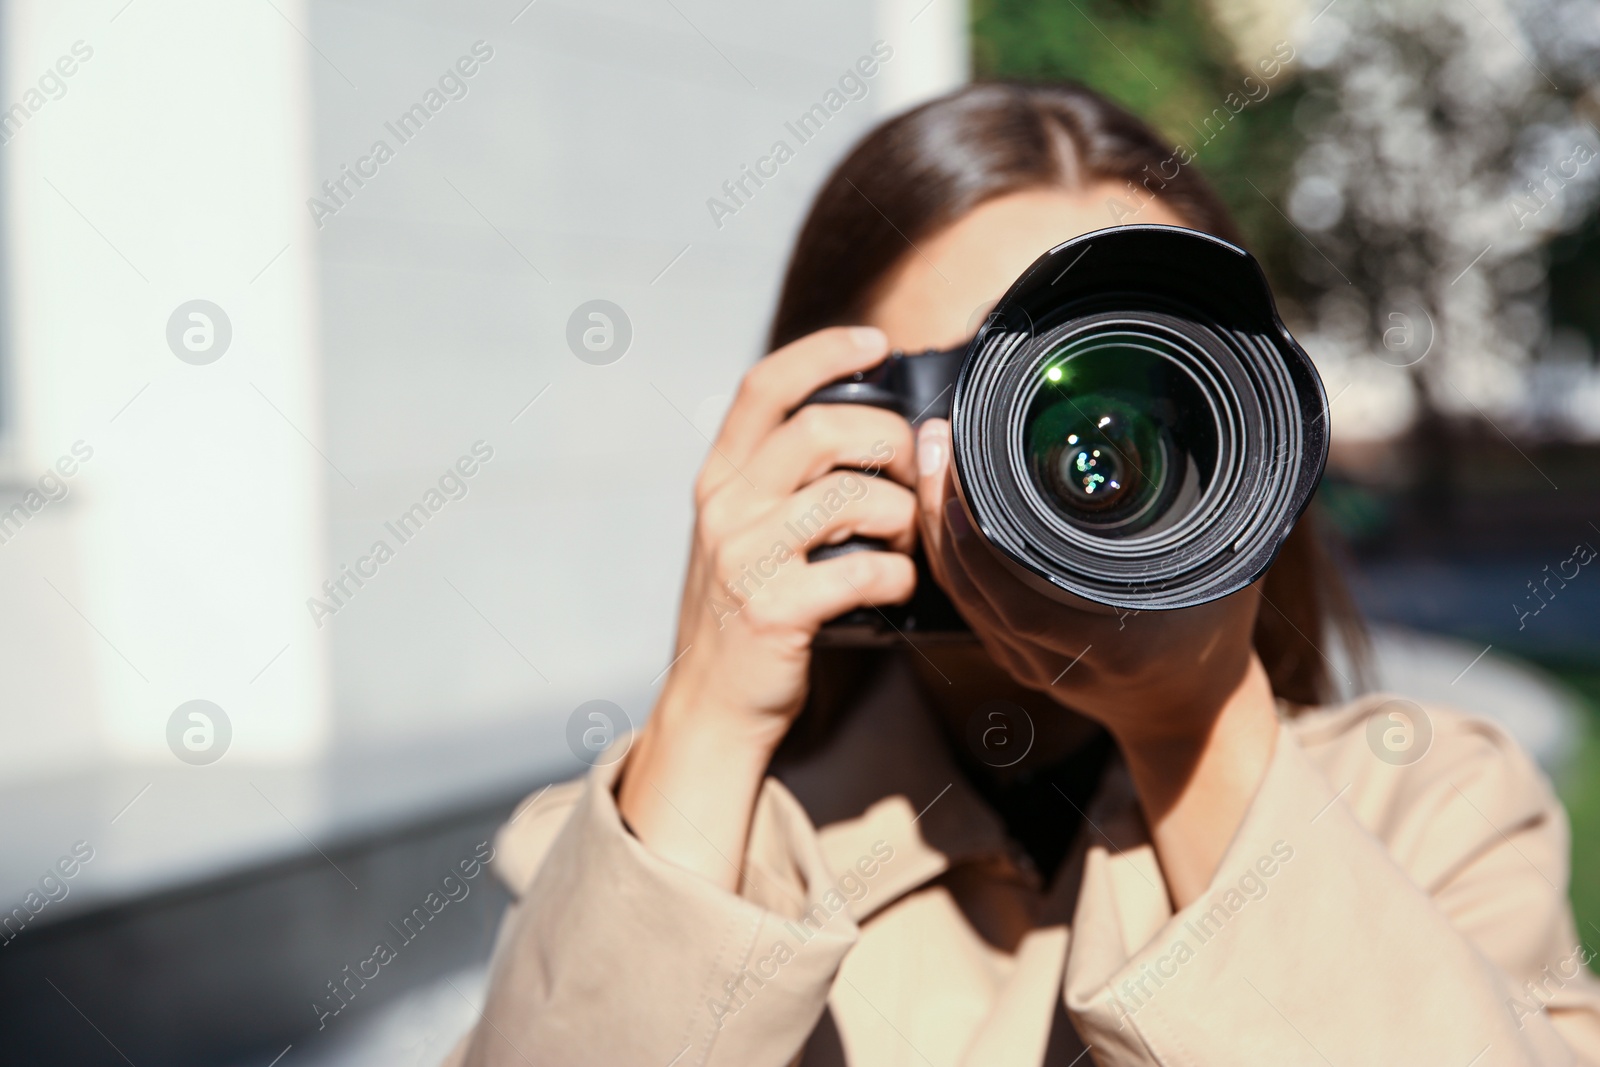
x,y
939,290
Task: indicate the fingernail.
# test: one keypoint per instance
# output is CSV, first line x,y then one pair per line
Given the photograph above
x,y
930,450
956,515
868,338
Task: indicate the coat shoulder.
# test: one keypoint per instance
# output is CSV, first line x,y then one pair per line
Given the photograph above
x,y
521,844
1426,779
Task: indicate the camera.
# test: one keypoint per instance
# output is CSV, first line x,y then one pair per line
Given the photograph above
x,y
1133,428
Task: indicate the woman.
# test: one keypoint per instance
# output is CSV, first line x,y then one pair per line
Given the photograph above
x,y
1192,864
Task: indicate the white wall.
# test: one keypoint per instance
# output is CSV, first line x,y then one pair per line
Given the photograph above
x,y
166,170
369,354
591,141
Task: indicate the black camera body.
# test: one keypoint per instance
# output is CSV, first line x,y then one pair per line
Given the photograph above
x,y
1133,428
917,387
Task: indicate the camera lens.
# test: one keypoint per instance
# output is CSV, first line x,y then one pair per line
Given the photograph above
x,y
1132,427
1110,443
1137,430
1115,455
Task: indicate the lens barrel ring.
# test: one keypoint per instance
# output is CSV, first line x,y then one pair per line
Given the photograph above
x,y
1249,493
1167,336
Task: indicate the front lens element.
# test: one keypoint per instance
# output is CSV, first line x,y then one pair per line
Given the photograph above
x,y
1115,437
1095,454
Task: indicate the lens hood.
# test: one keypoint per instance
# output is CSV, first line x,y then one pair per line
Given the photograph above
x,y
1148,365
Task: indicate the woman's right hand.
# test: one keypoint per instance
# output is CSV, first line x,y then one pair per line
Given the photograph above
x,y
772,490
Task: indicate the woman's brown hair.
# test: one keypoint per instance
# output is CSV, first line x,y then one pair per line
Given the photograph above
x,y
922,171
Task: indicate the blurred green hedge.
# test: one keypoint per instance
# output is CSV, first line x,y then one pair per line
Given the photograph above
x,y
1166,61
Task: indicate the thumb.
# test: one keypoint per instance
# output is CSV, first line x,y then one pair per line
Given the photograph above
x,y
933,463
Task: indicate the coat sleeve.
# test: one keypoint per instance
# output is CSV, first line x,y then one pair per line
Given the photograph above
x,y
1364,914
610,955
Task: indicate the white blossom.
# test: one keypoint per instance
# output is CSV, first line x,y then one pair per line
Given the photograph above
x,y
1442,153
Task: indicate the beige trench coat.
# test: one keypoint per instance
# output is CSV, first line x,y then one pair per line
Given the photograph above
x,y
1365,913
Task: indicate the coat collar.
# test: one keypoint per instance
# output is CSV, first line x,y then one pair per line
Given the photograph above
x,y
886,776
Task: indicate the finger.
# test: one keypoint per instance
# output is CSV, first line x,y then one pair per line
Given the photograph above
x,y
933,464
997,606
818,439
935,497
977,571
776,385
842,505
832,587
966,568
848,504
936,493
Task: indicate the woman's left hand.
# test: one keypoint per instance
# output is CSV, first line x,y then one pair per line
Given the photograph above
x,y
1182,691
